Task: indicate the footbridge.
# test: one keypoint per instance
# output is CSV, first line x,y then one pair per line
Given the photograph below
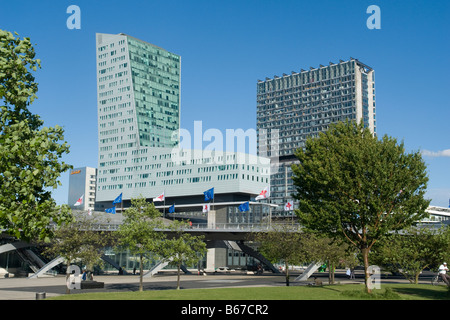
x,y
219,231
217,235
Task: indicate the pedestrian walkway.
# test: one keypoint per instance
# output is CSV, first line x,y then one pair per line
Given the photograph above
x,y
26,289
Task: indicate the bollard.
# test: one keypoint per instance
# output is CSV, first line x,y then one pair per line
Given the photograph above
x,y
40,295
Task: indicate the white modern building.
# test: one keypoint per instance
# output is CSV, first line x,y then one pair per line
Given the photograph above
x,y
138,87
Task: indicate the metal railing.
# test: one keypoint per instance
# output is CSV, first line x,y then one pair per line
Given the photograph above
x,y
244,227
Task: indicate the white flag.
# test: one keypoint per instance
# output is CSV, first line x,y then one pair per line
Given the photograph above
x,y
264,194
206,207
159,198
79,201
289,206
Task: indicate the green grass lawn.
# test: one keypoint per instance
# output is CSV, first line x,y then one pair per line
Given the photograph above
x,y
333,292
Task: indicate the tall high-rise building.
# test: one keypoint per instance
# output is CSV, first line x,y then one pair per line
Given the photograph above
x,y
293,107
137,80
138,87
82,187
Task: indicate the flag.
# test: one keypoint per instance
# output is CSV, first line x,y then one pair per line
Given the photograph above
x,y
159,198
289,206
244,207
264,194
209,194
172,208
206,207
111,210
79,201
118,199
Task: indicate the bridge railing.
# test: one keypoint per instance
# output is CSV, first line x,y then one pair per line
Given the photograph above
x,y
239,226
248,227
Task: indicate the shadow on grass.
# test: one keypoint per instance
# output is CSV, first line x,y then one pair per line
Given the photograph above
x,y
135,287
425,293
401,292
387,294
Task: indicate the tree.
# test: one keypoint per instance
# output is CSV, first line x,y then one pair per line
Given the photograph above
x,y
182,248
283,243
412,251
353,186
30,154
334,252
138,231
78,241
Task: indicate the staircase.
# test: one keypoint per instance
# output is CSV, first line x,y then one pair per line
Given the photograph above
x,y
240,246
47,267
309,271
156,268
112,262
30,258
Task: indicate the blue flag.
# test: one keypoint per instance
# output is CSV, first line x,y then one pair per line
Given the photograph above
x,y
244,207
118,199
209,194
111,210
172,208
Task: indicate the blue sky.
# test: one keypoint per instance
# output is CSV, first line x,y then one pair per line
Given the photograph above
x,y
226,46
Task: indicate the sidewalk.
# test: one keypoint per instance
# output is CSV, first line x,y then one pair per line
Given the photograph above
x,y
26,289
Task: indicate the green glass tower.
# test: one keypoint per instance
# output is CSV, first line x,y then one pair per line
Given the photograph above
x,y
138,83
138,87
155,73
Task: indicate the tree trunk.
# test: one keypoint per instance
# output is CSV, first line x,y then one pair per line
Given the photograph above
x,y
330,273
67,277
178,275
286,266
141,272
365,254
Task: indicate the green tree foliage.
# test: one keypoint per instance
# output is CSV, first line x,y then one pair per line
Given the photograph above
x,y
182,248
334,252
354,186
29,153
413,250
78,241
284,244
138,231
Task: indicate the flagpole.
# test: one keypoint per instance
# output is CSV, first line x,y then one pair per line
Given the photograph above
x,y
164,206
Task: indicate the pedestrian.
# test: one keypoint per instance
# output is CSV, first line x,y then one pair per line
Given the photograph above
x,y
443,273
83,277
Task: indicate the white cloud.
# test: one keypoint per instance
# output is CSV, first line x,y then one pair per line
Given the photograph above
x,y
441,153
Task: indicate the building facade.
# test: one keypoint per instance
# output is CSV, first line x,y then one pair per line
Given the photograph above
x,y
138,128
296,106
82,188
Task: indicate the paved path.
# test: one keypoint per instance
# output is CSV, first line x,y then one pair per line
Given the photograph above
x,y
26,289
